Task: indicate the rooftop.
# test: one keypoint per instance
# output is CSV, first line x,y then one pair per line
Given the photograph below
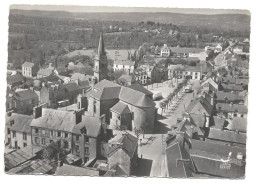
x,y
21,122
28,64
186,50
124,62
70,170
25,95
121,108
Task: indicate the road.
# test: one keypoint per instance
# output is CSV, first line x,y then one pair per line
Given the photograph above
x,y
151,150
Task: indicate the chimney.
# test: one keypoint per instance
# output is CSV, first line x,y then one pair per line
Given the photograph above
x,y
37,111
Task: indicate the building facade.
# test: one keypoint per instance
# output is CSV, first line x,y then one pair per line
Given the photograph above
x,y
29,69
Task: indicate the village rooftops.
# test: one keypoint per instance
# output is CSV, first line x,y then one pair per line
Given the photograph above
x,y
45,71
25,95
217,165
231,108
221,95
28,64
20,156
139,72
11,79
91,124
127,142
56,120
124,62
218,122
105,93
21,122
227,136
198,119
70,170
238,124
105,84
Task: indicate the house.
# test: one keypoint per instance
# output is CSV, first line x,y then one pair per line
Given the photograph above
x,y
231,110
218,48
14,80
106,94
50,125
18,130
217,160
127,66
140,76
227,137
165,51
45,72
123,153
22,101
238,49
86,137
182,72
200,106
191,53
174,70
29,69
155,73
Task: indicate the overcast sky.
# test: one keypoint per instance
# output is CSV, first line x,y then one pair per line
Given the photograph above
x,y
126,9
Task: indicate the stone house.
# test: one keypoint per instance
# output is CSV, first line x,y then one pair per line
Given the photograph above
x,y
29,69
18,130
123,153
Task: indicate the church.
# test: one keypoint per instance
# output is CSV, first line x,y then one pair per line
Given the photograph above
x,y
100,62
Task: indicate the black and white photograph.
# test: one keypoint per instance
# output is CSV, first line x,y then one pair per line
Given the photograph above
x,y
126,92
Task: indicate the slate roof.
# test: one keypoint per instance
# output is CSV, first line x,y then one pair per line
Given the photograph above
x,y
139,72
21,122
199,106
105,83
192,68
106,93
135,98
228,136
50,78
221,95
232,87
73,86
218,122
79,76
232,108
25,95
127,142
28,64
175,169
124,62
92,125
56,120
121,108
238,124
215,148
127,77
20,156
11,79
198,119
70,170
140,88
45,72
212,164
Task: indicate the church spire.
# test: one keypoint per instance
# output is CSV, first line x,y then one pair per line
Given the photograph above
x,y
101,47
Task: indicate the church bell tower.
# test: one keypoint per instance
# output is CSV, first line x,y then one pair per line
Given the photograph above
x,y
100,61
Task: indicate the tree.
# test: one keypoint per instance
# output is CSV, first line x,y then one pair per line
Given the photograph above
x,y
51,151
162,106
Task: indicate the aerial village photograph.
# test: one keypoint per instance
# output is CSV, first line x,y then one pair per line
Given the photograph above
x,y
116,92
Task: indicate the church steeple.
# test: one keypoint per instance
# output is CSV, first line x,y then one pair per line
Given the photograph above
x,y
100,61
101,47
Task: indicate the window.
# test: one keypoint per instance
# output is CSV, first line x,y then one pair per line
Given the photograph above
x,y
77,138
36,140
77,148
58,134
66,144
87,150
66,135
14,133
8,131
110,114
51,132
24,144
242,115
43,141
94,107
43,132
36,130
24,136
86,139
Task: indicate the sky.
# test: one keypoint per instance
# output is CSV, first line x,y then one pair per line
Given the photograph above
x,y
127,9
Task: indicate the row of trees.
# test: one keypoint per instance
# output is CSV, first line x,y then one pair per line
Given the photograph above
x,y
169,99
